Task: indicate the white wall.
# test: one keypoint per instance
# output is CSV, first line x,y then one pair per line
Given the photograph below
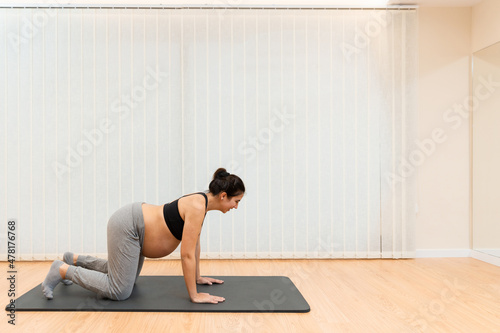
x,y
486,32
447,39
485,24
443,180
486,160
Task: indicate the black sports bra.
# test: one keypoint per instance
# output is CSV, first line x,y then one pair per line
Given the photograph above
x,y
172,217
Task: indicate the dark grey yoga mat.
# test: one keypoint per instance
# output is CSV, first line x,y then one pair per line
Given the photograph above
x,y
169,294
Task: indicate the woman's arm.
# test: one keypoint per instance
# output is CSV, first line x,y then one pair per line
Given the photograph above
x,y
192,229
199,279
190,252
198,259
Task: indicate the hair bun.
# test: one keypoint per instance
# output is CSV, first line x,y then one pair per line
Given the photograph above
x,y
223,174
220,173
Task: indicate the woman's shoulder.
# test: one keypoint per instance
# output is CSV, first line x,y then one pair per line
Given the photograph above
x,y
194,201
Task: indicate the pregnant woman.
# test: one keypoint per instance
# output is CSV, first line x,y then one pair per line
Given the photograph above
x,y
140,230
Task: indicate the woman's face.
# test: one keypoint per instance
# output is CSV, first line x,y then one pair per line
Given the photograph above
x,y
230,203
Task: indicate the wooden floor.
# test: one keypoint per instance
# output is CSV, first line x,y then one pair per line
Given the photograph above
x,y
417,295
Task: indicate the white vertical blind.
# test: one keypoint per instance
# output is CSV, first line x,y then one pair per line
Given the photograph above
x,y
314,109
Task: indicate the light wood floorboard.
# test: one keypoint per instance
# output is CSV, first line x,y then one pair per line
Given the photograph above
x,y
413,295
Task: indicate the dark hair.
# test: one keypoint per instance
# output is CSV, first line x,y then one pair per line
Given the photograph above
x,y
223,181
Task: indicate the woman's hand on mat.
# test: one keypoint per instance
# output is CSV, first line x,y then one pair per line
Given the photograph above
x,y
207,298
208,280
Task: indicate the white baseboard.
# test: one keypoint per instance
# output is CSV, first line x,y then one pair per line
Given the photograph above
x,y
427,253
49,256
485,257
443,253
492,252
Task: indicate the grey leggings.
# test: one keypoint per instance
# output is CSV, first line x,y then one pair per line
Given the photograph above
x,y
115,278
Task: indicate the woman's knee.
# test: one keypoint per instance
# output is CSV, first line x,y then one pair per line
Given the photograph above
x,y
123,293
